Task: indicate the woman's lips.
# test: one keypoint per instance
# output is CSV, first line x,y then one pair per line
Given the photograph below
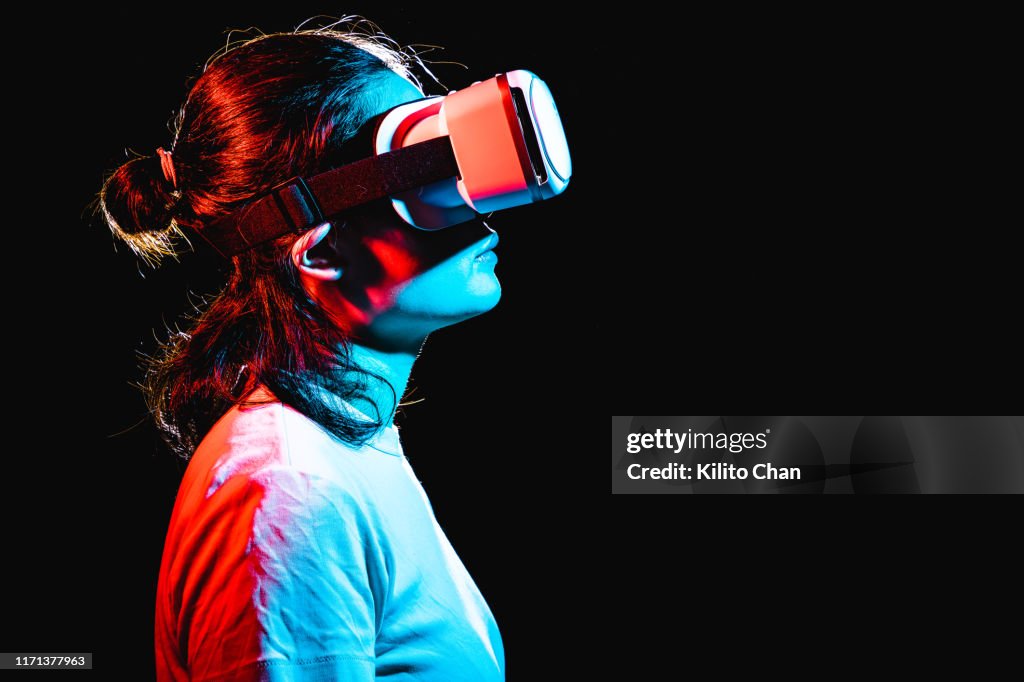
x,y
488,246
486,257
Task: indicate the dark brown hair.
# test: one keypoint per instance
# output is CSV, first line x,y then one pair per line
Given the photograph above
x,y
261,112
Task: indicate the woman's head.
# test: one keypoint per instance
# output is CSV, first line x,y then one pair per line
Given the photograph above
x,y
270,109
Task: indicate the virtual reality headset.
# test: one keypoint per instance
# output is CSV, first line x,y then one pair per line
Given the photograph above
x,y
441,160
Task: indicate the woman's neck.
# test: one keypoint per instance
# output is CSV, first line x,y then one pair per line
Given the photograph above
x,y
393,367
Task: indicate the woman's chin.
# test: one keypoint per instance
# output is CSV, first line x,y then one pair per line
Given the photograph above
x,y
485,289
482,295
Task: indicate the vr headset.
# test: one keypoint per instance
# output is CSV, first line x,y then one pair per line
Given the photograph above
x,y
497,144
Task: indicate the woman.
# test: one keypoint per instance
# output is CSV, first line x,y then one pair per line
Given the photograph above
x,y
301,545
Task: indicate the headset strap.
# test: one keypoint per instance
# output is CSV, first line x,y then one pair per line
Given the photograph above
x,y
299,205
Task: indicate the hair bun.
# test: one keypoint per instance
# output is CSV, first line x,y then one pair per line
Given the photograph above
x,y
138,204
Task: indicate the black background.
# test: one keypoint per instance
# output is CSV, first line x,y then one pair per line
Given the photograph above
x,y
767,210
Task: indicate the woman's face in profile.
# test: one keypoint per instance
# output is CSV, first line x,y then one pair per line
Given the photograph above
x,y
398,279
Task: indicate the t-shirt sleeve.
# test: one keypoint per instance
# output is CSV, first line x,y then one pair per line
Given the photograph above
x,y
300,593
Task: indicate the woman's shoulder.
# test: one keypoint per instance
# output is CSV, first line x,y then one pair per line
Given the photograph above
x,y
262,437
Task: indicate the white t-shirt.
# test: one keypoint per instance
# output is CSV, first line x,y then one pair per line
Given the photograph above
x,y
291,556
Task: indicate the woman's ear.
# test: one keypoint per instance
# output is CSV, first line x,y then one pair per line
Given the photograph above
x,y
315,256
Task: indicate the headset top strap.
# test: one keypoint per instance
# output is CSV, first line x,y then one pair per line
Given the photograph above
x,y
299,205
